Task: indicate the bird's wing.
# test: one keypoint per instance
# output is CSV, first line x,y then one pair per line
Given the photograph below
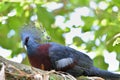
x,y
59,57
62,56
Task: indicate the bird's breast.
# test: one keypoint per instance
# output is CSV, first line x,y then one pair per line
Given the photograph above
x,y
40,58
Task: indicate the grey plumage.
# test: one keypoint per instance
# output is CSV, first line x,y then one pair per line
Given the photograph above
x,y
84,65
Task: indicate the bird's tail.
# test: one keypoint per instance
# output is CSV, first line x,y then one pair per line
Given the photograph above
x,y
104,74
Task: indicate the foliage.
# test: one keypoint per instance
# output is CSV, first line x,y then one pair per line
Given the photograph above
x,y
102,22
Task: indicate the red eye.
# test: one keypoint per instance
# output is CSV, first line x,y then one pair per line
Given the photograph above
x,y
26,40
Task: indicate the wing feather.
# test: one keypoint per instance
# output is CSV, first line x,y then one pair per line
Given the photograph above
x,y
62,56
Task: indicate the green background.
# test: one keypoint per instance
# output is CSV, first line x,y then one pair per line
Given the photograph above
x,y
103,23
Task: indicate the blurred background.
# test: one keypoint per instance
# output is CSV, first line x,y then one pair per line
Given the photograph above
x,y
90,26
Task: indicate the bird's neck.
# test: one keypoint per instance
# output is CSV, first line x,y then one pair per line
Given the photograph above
x,y
32,46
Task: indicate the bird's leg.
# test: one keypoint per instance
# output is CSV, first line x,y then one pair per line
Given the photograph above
x,y
42,67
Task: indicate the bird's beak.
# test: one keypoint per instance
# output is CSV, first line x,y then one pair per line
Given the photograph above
x,y
23,45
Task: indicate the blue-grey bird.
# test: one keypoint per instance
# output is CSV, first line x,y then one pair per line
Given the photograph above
x,y
50,55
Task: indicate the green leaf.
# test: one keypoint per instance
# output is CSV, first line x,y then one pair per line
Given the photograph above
x,y
118,56
77,41
15,22
116,2
117,41
90,45
44,16
88,23
99,62
80,2
112,48
57,35
4,6
67,30
3,36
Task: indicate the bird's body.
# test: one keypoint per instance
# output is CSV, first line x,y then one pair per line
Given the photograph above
x,y
51,55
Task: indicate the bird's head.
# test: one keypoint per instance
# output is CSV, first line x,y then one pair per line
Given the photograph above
x,y
31,34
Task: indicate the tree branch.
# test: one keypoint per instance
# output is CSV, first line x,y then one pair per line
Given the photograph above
x,y
15,71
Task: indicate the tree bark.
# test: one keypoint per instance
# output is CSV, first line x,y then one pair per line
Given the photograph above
x,y
15,71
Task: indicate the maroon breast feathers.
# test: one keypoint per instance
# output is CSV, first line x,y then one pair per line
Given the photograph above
x,y
40,59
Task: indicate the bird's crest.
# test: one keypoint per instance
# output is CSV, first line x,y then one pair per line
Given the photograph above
x,y
37,33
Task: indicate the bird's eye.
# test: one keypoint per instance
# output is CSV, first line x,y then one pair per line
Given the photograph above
x,y
26,40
